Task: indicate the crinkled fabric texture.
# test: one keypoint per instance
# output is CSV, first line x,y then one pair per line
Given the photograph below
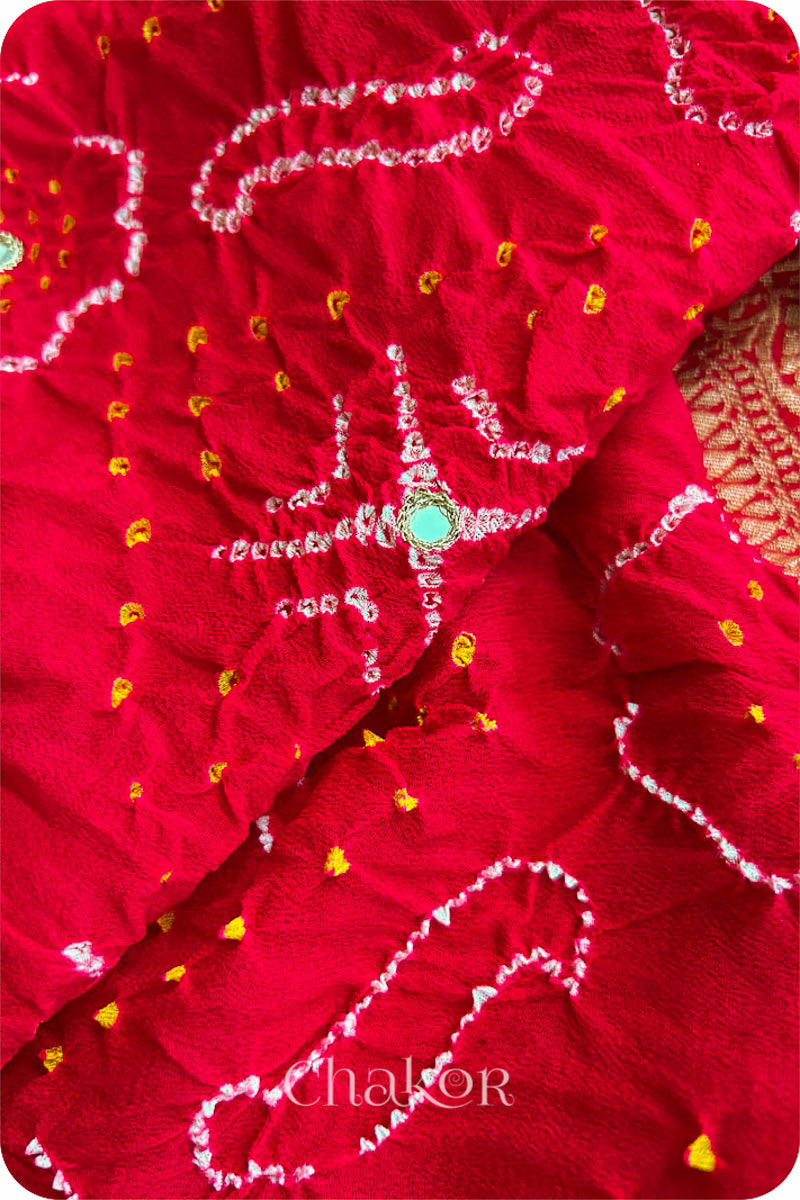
x,y
685,1016
290,275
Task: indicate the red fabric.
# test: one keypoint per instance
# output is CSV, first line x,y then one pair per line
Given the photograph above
x,y
683,1020
601,145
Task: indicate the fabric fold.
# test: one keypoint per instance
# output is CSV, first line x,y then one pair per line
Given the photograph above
x,y
291,376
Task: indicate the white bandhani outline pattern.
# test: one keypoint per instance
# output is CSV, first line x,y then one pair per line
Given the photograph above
x,y
725,848
84,959
679,507
127,217
265,836
418,471
421,471
318,494
15,77
366,525
355,597
465,141
478,402
683,97
199,1130
42,1159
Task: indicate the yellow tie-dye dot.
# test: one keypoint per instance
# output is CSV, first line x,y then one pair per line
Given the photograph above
x,y
371,739
227,681
597,233
11,174
483,723
63,258
259,327
151,29
796,760
336,863
234,931
136,790
700,233
462,651
532,315
33,217
54,187
693,311
130,612
282,381
120,690
403,801
755,590
44,282
52,1057
505,253
165,878
122,359
616,397
210,465
107,1016
117,410
104,45
68,223
215,771
700,1154
198,403
336,302
119,466
166,921
429,281
175,974
197,336
138,531
34,252
297,751
757,713
595,300
732,632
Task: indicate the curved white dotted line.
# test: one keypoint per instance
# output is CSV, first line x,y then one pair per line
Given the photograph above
x,y
319,493
724,847
679,506
15,77
490,427
42,1159
327,605
476,140
682,96
126,216
199,1131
